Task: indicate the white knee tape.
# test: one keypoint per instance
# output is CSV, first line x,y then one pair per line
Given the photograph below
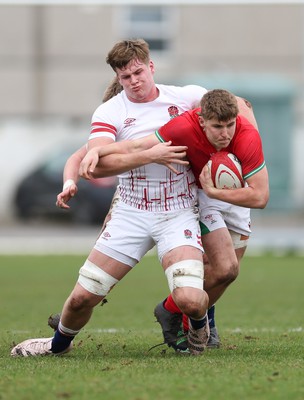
x,y
95,280
239,240
186,273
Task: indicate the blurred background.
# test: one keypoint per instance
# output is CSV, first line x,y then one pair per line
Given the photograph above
x,y
53,75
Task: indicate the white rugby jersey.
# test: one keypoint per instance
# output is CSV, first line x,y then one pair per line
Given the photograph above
x,y
152,187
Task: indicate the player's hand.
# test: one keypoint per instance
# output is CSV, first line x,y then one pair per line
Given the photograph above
x,y
165,154
65,196
88,164
206,180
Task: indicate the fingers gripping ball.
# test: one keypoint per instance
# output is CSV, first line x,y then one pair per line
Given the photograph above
x,y
225,170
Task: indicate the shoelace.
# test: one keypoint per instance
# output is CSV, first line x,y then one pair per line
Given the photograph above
x,y
180,338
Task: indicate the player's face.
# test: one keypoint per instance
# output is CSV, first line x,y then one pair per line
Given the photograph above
x,y
138,82
219,133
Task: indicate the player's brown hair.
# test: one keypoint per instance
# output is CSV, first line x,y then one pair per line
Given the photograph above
x,y
126,50
219,104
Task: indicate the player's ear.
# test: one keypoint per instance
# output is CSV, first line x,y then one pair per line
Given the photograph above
x,y
152,67
201,121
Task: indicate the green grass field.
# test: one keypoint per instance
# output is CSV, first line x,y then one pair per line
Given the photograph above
x,y
260,319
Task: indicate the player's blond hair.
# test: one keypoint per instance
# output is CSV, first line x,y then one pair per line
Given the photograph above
x,y
126,50
219,104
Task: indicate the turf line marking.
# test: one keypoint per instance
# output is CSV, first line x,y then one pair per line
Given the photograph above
x,y
265,330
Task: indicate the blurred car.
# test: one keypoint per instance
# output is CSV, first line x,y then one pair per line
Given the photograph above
x,y
36,194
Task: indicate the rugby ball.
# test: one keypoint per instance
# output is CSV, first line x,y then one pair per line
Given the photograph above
x,y
226,170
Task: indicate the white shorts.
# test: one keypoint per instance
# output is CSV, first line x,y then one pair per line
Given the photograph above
x,y
131,233
215,214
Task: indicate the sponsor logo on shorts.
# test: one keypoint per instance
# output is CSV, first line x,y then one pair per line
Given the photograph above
x,y
106,235
188,234
210,218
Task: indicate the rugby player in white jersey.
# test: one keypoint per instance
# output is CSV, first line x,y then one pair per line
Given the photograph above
x,y
155,207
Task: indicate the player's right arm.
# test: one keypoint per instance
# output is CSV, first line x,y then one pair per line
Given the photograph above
x,y
123,156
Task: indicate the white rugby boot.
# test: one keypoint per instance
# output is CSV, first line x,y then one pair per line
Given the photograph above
x,y
37,347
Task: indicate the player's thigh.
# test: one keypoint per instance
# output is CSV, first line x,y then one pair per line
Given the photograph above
x,y
108,264
181,253
240,253
219,249
177,235
239,243
126,237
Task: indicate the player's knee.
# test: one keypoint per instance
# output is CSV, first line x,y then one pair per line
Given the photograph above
x,y
78,302
228,274
186,282
233,271
192,302
191,308
95,280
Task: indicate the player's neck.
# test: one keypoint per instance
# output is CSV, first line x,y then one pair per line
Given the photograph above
x,y
151,96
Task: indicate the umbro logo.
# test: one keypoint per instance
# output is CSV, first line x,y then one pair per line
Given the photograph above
x,y
129,121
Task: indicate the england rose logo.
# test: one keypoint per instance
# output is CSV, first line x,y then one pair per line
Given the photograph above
x,y
173,111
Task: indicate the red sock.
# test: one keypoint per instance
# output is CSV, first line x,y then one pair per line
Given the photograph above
x,y
171,306
185,323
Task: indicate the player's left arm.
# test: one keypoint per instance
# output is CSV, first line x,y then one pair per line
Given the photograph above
x,y
254,195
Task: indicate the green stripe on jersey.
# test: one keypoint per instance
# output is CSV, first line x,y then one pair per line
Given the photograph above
x,y
254,171
159,137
